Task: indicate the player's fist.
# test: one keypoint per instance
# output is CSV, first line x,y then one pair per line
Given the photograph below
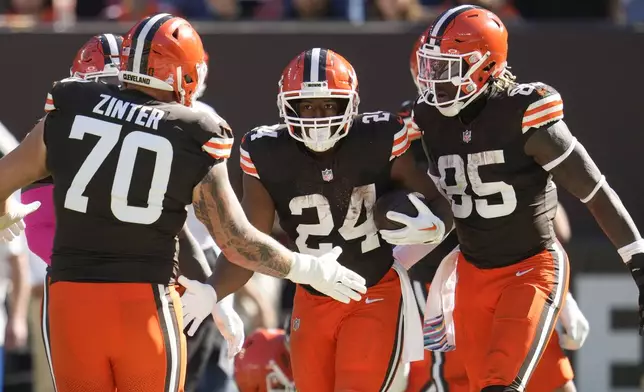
x,y
636,265
424,228
327,276
11,223
575,325
198,302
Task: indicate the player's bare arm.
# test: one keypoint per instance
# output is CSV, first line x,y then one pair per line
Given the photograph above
x,y
561,154
555,149
192,260
405,172
260,211
217,207
24,165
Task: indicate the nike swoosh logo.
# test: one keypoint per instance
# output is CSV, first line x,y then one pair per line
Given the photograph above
x,y
372,300
521,273
432,228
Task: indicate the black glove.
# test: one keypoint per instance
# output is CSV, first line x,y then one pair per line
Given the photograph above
x,y
636,266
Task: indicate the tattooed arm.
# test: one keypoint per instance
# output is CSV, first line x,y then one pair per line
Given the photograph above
x,y
217,207
260,210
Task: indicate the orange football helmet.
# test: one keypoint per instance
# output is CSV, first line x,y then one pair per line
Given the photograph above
x,y
465,48
264,364
318,73
98,58
164,52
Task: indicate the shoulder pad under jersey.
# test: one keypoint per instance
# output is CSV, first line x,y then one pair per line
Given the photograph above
x,y
246,145
385,126
63,91
541,104
214,133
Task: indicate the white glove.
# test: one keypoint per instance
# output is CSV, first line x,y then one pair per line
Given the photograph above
x,y
575,325
425,228
230,325
327,276
11,223
198,302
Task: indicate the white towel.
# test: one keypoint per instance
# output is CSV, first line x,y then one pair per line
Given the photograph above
x,y
438,326
413,329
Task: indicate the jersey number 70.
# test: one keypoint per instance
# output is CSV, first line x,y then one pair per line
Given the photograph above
x,y
108,134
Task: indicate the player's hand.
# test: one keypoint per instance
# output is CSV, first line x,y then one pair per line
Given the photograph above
x,y
636,265
424,228
11,223
231,327
327,276
198,302
575,325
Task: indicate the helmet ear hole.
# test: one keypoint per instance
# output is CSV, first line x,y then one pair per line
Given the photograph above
x,y
175,34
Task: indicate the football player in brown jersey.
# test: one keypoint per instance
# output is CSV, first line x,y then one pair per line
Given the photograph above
x,y
126,162
321,172
495,147
445,370
98,60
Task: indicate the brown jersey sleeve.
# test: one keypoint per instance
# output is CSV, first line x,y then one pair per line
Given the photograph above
x,y
215,136
62,92
544,105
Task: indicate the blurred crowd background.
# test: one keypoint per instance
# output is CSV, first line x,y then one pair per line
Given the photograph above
x,y
21,11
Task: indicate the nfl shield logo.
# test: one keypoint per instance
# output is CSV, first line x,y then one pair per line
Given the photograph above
x,y
467,136
327,175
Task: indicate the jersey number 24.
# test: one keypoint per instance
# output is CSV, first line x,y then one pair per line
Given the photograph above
x,y
108,134
360,196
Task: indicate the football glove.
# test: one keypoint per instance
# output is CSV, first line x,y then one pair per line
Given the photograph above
x,y
424,228
198,302
327,276
11,223
575,325
230,325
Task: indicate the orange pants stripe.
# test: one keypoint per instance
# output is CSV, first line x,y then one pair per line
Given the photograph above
x,y
347,347
443,372
102,337
504,317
